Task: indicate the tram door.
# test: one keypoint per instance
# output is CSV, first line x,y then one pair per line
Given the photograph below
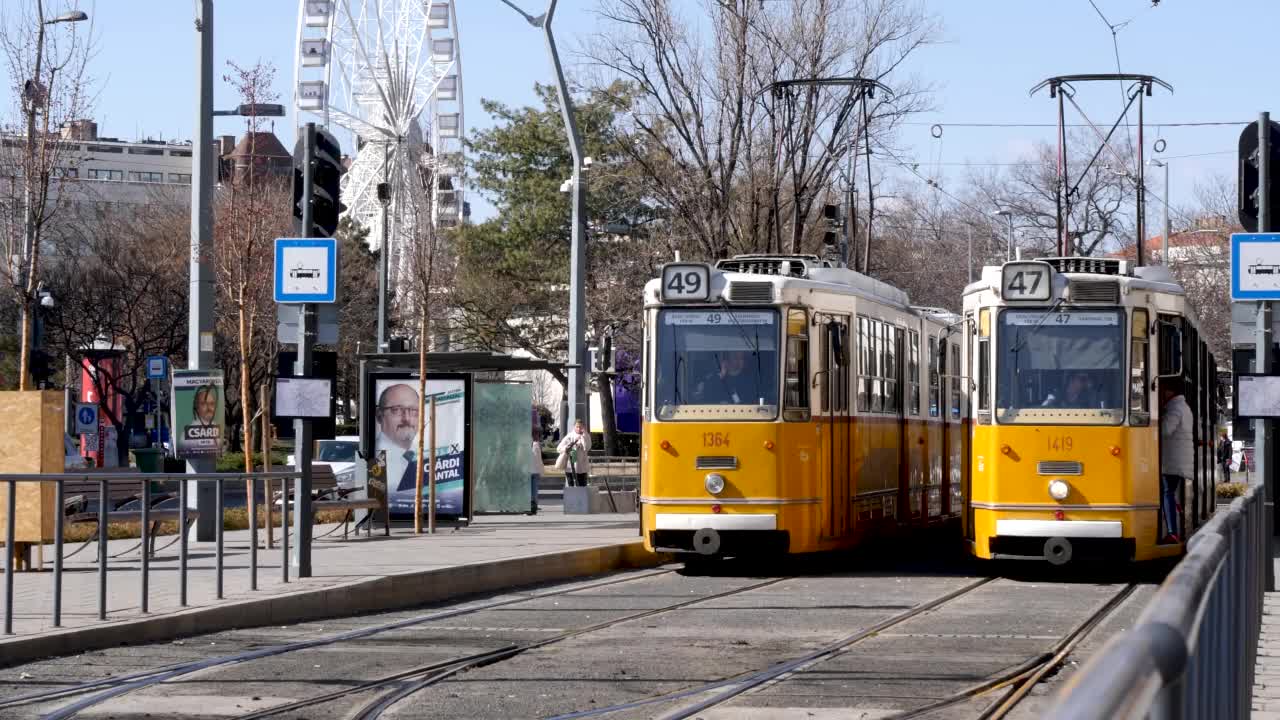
x,y
834,381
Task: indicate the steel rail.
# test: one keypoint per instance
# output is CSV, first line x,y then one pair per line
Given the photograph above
x,y
147,678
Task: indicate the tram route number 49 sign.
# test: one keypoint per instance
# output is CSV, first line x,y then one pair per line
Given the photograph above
x,y
686,282
1255,266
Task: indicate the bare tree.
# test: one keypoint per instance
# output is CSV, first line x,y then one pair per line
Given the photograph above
x,y
737,167
1101,203
253,211
119,274
47,77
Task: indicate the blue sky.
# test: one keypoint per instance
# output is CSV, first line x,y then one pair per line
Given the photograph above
x,y
1215,54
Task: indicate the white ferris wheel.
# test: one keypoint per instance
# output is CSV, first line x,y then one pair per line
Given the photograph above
x,y
388,72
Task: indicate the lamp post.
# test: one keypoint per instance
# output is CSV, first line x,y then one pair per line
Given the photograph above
x,y
34,98
1008,215
1164,240
578,250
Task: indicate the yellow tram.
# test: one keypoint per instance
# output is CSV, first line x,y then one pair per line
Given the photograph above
x,y
1070,355
792,406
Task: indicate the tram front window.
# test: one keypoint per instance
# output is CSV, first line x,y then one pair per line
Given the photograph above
x,y
712,361
1051,360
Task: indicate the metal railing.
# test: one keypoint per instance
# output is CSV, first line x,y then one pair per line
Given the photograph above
x,y
1192,652
144,516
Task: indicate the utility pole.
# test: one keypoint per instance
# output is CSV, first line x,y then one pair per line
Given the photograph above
x,y
1164,243
578,249
384,253
302,367
200,309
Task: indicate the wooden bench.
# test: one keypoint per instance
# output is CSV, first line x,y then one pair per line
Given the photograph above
x,y
155,517
83,494
326,495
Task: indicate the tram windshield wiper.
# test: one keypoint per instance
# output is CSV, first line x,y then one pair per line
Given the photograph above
x,y
755,346
1024,338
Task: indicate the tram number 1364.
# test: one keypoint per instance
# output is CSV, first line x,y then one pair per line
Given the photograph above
x,y
715,439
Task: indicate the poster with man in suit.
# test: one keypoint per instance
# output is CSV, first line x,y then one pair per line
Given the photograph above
x,y
397,421
197,413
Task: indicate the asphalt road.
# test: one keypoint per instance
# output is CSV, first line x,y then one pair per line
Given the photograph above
x,y
729,621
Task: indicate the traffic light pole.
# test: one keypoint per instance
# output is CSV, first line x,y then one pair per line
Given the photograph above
x,y
1262,429
302,366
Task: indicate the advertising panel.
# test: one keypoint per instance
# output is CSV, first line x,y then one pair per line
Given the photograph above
x,y
395,423
197,413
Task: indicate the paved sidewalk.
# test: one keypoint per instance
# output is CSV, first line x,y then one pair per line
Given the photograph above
x,y
334,562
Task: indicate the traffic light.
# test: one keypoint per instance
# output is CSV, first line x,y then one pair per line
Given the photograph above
x,y
326,175
1247,204
41,366
831,215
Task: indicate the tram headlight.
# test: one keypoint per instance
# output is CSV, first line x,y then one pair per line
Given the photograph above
x,y
714,483
1059,489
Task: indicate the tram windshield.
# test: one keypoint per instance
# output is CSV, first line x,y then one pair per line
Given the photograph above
x,y
1053,359
716,364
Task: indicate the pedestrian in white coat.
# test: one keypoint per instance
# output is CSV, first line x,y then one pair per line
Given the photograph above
x,y
573,449
1177,452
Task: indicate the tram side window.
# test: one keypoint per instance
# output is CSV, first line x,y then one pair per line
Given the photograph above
x,y
864,364
913,373
796,400
956,377
890,369
984,360
933,378
1138,401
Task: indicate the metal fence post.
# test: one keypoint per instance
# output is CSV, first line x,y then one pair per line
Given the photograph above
x,y
284,530
253,533
59,502
103,534
182,542
146,540
218,552
9,513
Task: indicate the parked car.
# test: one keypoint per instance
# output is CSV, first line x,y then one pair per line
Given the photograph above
x,y
340,455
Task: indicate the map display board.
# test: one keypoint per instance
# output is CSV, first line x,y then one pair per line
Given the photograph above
x,y
303,397
1258,396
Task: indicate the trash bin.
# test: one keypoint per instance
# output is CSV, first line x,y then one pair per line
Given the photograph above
x,y
150,460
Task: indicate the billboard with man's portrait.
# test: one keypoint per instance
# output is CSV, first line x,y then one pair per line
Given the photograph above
x,y
395,422
197,413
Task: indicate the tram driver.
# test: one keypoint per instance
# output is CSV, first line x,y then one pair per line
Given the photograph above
x,y
1079,393
728,383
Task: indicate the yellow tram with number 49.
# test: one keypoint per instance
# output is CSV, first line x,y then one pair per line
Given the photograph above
x,y
1071,359
793,406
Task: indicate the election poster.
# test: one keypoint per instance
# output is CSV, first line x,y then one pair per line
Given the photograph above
x,y
396,421
197,413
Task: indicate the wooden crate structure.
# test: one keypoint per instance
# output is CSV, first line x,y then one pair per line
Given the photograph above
x,y
32,442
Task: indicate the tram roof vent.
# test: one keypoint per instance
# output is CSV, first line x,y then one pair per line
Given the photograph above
x,y
786,265
1095,291
1091,265
750,292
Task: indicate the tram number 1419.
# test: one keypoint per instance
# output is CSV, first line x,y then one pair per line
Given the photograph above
x,y
1062,443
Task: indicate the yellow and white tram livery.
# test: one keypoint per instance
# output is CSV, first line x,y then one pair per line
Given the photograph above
x,y
790,406
1069,355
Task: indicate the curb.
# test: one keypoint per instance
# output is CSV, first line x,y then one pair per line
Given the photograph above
x,y
371,594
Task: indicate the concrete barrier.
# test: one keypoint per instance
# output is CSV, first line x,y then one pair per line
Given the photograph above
x,y
372,594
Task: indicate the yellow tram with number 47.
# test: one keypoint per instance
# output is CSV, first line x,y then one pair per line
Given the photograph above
x,y
1072,357
793,406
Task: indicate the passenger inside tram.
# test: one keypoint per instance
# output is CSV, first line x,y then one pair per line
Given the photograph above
x,y
1078,393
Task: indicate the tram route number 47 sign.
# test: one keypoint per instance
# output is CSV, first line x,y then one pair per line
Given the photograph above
x,y
1255,266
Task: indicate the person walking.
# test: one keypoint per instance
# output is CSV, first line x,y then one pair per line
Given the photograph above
x,y
535,473
1177,460
573,449
1224,456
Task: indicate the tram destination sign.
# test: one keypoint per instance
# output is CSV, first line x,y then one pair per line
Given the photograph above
x,y
1255,266
718,317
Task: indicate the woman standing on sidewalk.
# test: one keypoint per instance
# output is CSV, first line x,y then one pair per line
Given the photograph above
x,y
535,472
573,449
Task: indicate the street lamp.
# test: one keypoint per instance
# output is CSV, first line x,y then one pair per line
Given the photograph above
x,y
73,16
1008,215
1164,241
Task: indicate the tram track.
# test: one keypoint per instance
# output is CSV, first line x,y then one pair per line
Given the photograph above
x,y
148,678
1016,682
409,682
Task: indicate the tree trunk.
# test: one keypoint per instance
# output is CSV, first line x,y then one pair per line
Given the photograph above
x,y
422,426
246,409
